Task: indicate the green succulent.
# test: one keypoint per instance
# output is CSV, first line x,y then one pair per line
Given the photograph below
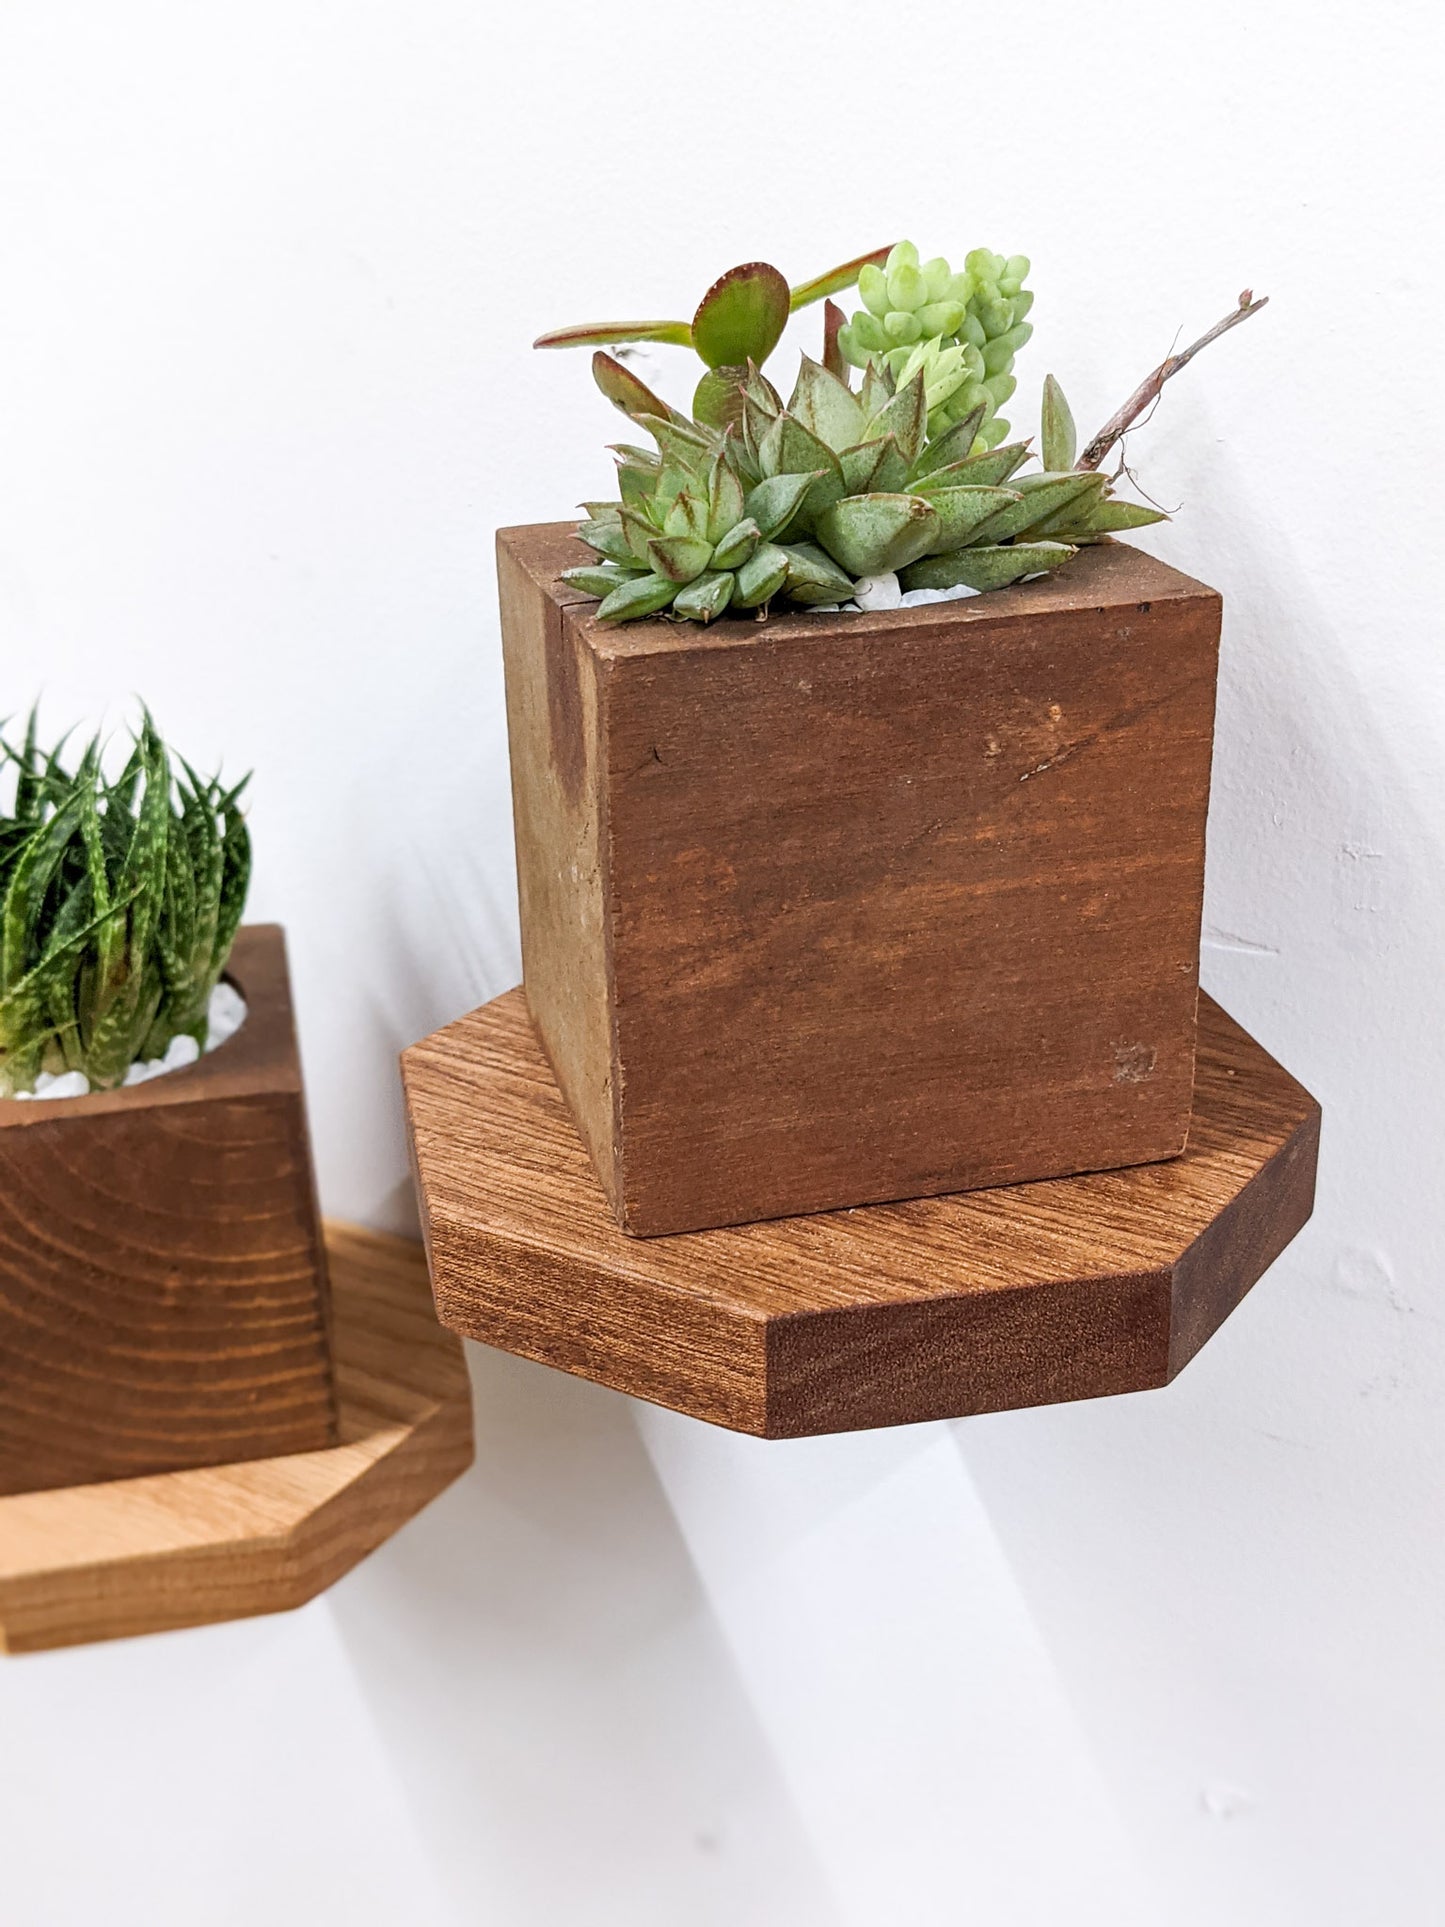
x,y
119,902
694,534
739,320
799,500
978,312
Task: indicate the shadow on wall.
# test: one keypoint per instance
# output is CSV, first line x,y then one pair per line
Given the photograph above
x,y
552,1691
1235,1575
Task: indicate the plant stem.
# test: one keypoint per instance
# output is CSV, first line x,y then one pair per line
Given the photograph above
x,y
1148,390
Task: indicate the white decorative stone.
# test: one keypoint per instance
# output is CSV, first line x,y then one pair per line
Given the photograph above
x,y
912,598
225,1015
877,592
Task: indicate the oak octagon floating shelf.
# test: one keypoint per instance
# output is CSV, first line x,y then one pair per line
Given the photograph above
x,y
144,1555
933,1308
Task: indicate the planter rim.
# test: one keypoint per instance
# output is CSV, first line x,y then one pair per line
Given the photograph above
x,y
261,1056
1105,575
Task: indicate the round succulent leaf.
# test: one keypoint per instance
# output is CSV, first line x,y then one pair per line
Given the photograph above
x,y
870,534
644,595
941,317
825,406
814,576
704,599
772,505
985,568
902,328
742,316
737,546
907,288
761,576
873,287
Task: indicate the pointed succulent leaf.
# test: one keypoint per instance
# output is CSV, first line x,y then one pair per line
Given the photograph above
x,y
777,499
834,359
877,391
761,576
718,398
1040,498
962,512
1060,439
644,595
637,531
742,316
790,449
904,417
724,499
628,391
954,445
985,568
681,558
737,545
869,534
1055,507
836,279
600,580
593,334
826,406
991,468
814,576
634,485
608,538
1108,517
705,599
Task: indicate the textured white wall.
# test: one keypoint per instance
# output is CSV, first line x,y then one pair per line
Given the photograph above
x,y
267,278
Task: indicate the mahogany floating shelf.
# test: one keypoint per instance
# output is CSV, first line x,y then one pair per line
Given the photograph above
x,y
174,1549
933,1308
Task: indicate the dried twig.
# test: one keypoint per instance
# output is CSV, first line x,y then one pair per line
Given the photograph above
x,y
1148,389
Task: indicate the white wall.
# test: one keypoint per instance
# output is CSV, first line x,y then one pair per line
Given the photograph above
x,y
268,274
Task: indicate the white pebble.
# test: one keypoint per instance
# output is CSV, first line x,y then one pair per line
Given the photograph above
x,y
226,1014
914,597
877,592
67,1084
224,1017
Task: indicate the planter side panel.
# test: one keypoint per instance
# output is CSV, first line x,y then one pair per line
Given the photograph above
x,y
903,912
552,730
162,1291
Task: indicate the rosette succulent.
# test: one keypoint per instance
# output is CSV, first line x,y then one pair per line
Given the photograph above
x,y
974,320
119,902
799,500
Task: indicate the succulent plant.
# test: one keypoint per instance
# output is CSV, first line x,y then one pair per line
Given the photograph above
x,y
694,534
739,320
119,902
975,318
797,501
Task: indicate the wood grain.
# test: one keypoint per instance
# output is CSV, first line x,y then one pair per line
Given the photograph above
x,y
163,1296
187,1548
931,1308
827,910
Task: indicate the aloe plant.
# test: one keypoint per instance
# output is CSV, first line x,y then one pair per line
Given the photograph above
x,y
119,903
739,320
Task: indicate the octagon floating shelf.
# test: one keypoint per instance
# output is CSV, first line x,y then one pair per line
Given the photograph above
x,y
143,1555
886,1314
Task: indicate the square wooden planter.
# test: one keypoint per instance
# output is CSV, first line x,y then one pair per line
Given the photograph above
x,y
163,1289
834,909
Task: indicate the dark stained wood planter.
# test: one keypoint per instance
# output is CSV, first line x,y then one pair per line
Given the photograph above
x,y
835,909
163,1291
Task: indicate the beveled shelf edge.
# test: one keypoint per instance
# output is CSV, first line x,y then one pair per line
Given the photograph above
x,y
88,1563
